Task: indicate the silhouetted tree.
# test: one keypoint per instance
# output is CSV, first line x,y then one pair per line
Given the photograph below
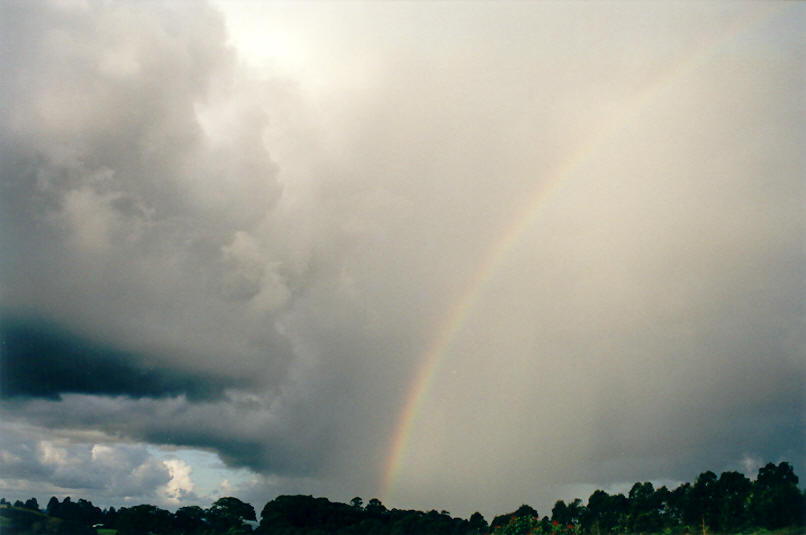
x,y
110,517
523,512
596,518
375,507
776,499
477,524
644,512
52,508
526,510
228,515
559,513
144,519
189,519
700,509
732,494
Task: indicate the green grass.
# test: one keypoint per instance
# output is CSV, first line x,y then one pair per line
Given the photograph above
x,y
107,531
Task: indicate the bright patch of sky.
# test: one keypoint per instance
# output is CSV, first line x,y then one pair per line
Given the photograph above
x,y
200,472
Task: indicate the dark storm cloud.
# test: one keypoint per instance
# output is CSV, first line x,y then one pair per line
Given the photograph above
x,y
123,219
40,360
142,254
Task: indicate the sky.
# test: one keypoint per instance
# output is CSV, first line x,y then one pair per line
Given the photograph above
x,y
456,256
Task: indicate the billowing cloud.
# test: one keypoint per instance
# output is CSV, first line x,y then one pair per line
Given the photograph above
x,y
63,464
591,216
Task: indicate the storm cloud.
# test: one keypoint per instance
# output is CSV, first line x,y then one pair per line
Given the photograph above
x,y
39,360
240,229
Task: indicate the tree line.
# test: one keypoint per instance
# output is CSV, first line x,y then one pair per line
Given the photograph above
x,y
729,503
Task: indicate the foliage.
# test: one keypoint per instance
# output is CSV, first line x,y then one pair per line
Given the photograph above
x,y
16,520
776,501
228,515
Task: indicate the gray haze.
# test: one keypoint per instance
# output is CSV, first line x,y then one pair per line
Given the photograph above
x,y
238,228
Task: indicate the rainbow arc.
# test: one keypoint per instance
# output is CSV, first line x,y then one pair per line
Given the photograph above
x,y
457,315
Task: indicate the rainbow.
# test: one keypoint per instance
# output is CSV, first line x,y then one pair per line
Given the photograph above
x,y
462,308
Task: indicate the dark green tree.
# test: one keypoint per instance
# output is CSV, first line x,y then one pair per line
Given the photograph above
x,y
776,499
229,514
732,495
575,511
110,517
678,502
53,506
559,513
663,498
644,515
189,519
600,516
144,519
570,513
700,509
526,511
375,507
477,523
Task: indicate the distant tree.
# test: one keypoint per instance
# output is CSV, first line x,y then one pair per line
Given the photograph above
x,y
701,505
189,519
644,512
32,504
559,513
375,507
357,502
18,503
228,515
477,523
53,506
144,519
523,512
575,511
526,510
86,513
802,511
732,494
776,499
678,503
592,520
521,524
306,514
663,505
110,517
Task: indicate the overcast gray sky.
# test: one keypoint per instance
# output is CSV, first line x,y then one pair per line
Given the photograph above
x,y
458,256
